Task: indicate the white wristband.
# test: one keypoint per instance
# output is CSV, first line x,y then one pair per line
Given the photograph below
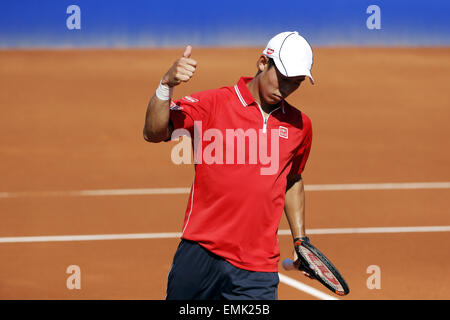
x,y
164,92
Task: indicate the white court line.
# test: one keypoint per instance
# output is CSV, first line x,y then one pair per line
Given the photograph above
x,y
100,192
155,191
372,230
378,186
91,237
172,235
284,279
305,288
160,191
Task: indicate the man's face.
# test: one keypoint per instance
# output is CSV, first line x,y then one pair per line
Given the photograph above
x,y
273,85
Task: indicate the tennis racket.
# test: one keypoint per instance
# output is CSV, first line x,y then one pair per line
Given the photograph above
x,y
317,265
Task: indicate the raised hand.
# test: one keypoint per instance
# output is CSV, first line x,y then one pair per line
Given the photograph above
x,y
182,70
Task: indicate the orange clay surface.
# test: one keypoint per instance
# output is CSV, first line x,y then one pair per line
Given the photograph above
x,y
72,120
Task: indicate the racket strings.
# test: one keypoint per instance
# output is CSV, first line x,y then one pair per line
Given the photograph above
x,y
321,269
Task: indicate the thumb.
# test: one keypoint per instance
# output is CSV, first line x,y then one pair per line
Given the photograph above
x,y
187,52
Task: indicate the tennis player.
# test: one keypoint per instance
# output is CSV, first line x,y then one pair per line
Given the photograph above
x,y
229,247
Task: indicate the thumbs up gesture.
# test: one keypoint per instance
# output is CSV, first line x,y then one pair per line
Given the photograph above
x,y
181,71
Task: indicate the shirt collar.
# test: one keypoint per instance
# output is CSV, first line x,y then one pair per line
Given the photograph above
x,y
242,91
244,94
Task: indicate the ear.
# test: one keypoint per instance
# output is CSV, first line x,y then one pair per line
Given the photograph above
x,y
262,63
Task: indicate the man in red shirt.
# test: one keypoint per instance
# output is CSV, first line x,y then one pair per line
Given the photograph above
x,y
250,147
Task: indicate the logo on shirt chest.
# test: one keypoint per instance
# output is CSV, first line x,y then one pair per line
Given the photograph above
x,y
190,99
283,132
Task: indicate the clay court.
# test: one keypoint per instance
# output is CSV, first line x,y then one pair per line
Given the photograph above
x,y
73,163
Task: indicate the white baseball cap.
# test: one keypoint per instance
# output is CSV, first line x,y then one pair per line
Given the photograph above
x,y
291,53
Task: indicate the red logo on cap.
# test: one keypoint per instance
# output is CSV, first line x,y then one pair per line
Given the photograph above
x,y
269,51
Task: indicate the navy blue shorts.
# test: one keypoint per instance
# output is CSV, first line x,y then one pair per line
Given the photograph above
x,y
198,274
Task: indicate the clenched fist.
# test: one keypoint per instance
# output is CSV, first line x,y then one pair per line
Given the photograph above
x,y
182,70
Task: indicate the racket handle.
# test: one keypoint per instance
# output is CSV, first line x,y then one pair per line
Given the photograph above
x,y
288,264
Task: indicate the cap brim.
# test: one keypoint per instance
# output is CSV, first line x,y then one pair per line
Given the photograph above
x,y
296,73
310,78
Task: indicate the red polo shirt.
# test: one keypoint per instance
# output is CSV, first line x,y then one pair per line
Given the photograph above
x,y
237,197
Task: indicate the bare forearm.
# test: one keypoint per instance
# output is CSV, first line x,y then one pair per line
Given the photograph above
x,y
294,207
156,127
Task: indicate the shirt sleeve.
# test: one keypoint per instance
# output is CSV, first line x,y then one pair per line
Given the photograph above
x,y
189,109
302,154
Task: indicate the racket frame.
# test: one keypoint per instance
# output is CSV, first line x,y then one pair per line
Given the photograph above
x,y
304,241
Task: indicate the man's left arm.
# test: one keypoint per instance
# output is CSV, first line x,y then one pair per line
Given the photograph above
x,y
294,205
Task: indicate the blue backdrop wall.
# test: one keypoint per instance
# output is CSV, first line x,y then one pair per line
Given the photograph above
x,y
149,23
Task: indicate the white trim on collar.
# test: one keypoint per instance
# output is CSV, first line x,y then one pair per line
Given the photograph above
x,y
239,95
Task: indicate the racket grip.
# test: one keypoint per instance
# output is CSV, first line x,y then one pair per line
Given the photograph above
x,y
288,264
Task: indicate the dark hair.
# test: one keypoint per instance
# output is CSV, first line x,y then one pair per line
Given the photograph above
x,y
270,64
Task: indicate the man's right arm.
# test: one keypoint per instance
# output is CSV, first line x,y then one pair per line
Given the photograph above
x,y
157,126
